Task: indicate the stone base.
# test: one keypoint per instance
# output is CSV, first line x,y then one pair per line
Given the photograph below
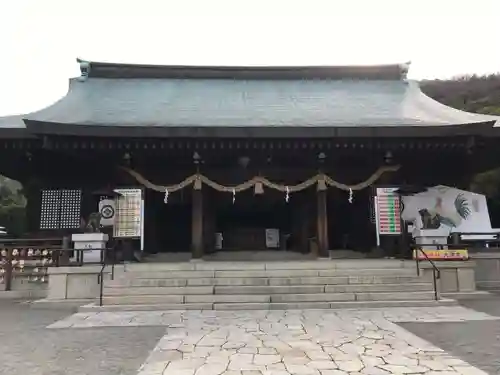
x,y
22,288
72,305
456,276
92,245
22,294
73,282
461,296
487,270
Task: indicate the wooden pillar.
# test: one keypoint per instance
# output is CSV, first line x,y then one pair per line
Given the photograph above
x,y
300,226
322,223
33,194
304,233
197,223
209,225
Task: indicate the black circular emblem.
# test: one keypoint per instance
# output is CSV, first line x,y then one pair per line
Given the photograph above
x,y
107,212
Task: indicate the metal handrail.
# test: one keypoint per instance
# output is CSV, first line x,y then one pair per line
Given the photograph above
x,y
497,234
436,272
100,276
457,240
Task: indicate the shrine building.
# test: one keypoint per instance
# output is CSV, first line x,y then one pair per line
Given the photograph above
x,y
237,158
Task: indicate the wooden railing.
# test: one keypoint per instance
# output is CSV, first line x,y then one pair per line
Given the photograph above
x,y
30,259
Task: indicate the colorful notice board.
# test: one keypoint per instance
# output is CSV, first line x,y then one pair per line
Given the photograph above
x,y
388,211
454,254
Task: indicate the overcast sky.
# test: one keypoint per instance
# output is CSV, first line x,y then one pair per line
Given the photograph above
x,y
40,39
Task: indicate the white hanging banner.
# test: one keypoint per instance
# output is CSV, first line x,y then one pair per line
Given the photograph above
x,y
107,211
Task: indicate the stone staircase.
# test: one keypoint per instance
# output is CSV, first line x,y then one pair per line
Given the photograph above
x,y
315,284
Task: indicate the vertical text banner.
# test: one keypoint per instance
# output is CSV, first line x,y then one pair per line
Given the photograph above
x,y
128,222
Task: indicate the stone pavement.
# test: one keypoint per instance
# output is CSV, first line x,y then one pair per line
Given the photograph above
x,y
290,342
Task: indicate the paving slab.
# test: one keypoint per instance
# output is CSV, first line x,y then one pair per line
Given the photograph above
x,y
418,340
290,342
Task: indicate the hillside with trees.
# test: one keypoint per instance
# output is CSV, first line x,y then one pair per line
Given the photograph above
x,y
479,94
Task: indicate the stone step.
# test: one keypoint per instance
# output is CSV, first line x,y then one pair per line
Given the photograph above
x,y
199,298
319,264
304,289
266,298
334,297
295,289
267,306
128,282
334,305
283,273
266,285
158,291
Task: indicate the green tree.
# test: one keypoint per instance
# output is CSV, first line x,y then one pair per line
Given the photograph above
x,y
12,206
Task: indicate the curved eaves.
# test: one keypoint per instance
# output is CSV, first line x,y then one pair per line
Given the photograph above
x,y
13,127
420,105
52,112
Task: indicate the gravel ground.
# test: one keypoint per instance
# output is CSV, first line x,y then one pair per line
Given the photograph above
x,y
490,305
475,342
28,348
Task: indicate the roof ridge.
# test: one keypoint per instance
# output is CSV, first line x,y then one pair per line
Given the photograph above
x,y
126,70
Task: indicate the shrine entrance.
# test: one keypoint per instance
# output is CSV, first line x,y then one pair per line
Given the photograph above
x,y
312,215
252,222
351,224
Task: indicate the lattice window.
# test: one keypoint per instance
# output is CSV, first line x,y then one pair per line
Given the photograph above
x,y
60,209
70,208
50,209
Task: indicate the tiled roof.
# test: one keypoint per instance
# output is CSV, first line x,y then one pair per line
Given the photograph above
x,y
141,100
249,103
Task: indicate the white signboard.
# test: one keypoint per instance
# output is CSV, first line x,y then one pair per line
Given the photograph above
x,y
443,207
218,241
272,238
129,214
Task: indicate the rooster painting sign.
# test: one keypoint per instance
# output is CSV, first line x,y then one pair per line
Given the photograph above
x,y
446,207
